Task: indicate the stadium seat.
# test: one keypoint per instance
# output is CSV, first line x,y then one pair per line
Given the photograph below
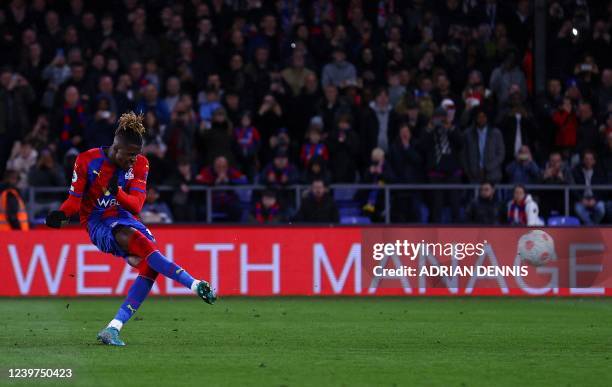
x,y
349,211
344,194
561,221
355,220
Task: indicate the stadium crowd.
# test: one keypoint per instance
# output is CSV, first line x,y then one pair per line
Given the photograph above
x,y
316,92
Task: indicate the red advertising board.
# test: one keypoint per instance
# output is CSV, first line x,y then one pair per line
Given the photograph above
x,y
268,261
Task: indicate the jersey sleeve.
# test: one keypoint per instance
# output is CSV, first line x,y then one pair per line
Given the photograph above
x,y
141,172
79,177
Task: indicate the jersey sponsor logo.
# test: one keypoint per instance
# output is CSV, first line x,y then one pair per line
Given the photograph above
x,y
129,175
107,202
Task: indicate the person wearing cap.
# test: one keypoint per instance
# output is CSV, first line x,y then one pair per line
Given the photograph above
x,y
484,150
339,72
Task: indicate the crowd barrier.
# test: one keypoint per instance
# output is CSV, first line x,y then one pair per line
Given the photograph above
x,y
305,261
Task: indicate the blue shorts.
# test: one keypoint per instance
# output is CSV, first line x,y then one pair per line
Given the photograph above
x,y
101,233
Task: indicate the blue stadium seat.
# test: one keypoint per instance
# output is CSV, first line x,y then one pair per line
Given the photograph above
x,y
349,211
561,221
344,194
354,220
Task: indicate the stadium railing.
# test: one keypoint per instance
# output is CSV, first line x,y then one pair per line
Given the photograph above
x,y
54,195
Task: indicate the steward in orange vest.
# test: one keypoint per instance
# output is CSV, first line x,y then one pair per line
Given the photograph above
x,y
13,215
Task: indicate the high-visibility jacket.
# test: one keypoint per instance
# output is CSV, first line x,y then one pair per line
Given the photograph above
x,y
22,215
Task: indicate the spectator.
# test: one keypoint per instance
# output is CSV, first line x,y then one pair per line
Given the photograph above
x,y
23,158
186,204
267,210
484,150
296,74
101,130
280,172
340,72
523,170
441,145
379,173
345,151
314,147
485,209
173,91
55,73
151,102
155,211
216,140
505,76
211,104
407,165
247,142
590,210
587,133
379,123
317,205
220,174
522,209
16,95
70,124
566,125
316,169
13,214
556,171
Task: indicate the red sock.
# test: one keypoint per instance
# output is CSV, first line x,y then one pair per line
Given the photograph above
x,y
140,246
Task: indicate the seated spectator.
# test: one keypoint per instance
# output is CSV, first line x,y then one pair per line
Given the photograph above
x,y
12,207
314,147
344,149
47,173
317,205
339,72
485,209
186,204
523,170
151,102
484,150
590,210
220,173
589,207
154,210
280,172
246,143
379,172
23,157
316,170
267,209
522,209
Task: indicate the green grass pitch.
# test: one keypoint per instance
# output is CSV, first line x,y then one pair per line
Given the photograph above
x,y
315,342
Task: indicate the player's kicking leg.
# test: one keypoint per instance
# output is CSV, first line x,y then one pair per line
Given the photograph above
x,y
149,261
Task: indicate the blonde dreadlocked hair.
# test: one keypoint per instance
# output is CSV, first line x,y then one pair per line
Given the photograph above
x,y
131,127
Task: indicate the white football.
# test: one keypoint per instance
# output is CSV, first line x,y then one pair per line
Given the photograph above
x,y
536,248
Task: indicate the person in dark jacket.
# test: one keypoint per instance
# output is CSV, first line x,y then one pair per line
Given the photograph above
x,y
485,209
344,150
318,206
407,165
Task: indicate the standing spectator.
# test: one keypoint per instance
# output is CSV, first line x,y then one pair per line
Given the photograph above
x,y
212,103
317,205
379,124
566,126
316,169
23,158
70,124
314,147
247,141
556,171
344,149
219,174
296,74
340,72
587,133
523,170
216,140
173,91
280,172
155,211
518,128
151,102
186,204
484,150
140,46
522,209
505,76
485,209
16,95
55,73
267,210
407,165
101,129
441,145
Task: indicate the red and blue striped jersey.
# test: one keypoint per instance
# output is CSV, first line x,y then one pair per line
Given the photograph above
x,y
92,173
